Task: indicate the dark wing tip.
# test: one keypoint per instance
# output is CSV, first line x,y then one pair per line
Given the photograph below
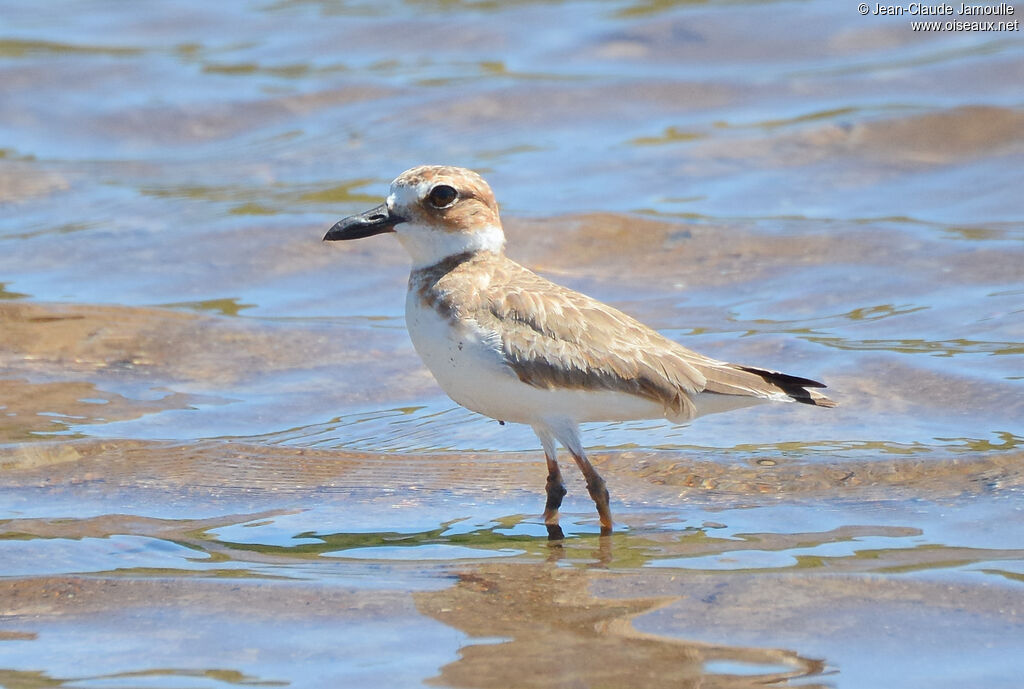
x,y
794,386
782,378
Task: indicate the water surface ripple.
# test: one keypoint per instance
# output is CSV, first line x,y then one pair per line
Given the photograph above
x,y
222,464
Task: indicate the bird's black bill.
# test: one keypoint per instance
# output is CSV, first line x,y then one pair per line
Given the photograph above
x,y
374,221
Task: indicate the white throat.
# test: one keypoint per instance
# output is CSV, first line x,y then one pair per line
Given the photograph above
x,y
428,245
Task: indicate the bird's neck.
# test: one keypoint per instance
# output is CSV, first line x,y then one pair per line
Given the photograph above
x,y
430,246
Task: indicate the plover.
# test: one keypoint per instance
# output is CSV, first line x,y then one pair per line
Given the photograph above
x,y
509,344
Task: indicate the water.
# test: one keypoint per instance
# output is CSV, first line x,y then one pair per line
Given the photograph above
x,y
222,463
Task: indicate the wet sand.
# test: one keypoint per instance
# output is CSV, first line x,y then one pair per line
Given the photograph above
x,y
180,557
221,462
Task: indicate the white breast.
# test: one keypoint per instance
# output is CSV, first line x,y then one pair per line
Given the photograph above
x,y
466,362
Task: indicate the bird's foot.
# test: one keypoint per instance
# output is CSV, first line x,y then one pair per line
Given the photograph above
x,y
599,493
555,532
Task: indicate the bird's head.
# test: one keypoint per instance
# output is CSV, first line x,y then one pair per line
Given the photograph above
x,y
436,211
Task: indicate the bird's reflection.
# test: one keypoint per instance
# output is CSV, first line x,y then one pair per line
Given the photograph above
x,y
554,633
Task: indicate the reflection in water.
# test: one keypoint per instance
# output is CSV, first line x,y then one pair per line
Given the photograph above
x,y
660,603
272,200
554,633
13,679
226,307
441,427
40,411
166,631
284,544
7,294
921,346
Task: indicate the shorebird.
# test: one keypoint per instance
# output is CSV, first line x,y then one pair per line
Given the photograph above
x,y
509,344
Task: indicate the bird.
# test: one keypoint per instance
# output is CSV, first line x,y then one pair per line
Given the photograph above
x,y
507,343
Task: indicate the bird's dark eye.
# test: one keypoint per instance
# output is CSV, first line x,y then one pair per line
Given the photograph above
x,y
442,196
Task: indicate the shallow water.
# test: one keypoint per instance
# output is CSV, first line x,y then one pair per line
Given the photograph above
x,y
221,462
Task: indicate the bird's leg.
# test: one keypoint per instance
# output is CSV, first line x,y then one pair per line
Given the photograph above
x,y
555,489
596,488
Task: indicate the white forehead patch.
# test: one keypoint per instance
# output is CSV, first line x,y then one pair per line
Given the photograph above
x,y
407,196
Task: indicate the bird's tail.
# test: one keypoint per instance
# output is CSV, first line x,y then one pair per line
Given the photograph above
x,y
793,387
